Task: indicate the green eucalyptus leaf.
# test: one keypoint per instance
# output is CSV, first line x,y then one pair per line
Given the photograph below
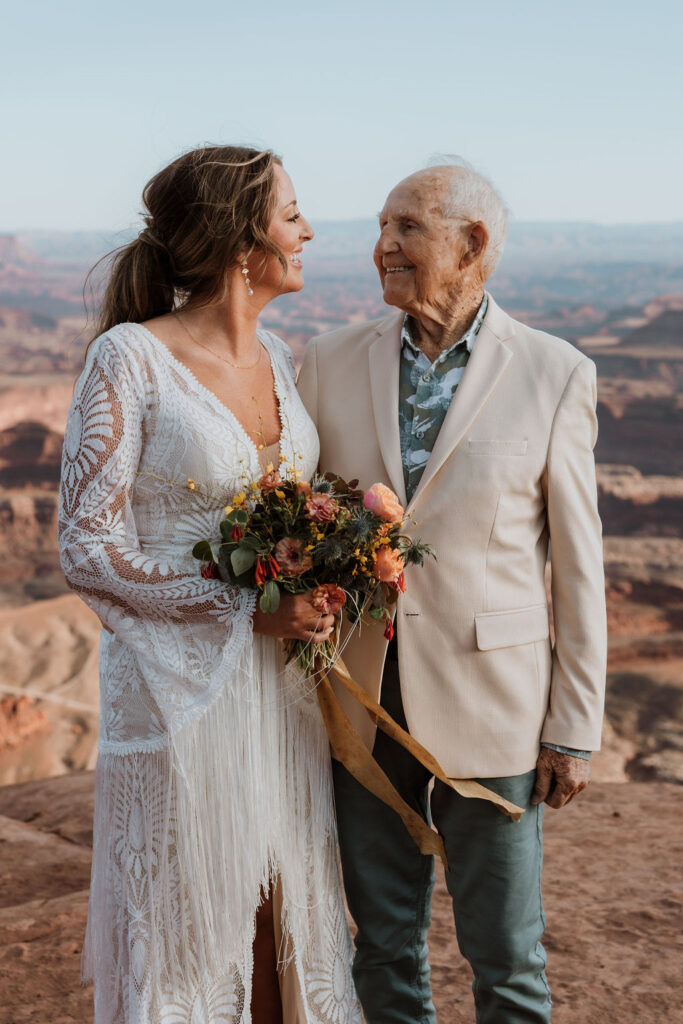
x,y
238,517
251,542
376,613
242,559
203,551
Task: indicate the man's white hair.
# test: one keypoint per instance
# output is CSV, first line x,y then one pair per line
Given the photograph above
x,y
474,197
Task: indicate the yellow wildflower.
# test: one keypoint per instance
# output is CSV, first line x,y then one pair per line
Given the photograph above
x,y
228,509
191,484
254,487
283,458
309,547
280,494
269,467
239,499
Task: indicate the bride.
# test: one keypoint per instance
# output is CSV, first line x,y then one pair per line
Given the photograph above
x,y
215,896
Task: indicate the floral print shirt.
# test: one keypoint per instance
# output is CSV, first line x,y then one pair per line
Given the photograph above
x,y
425,393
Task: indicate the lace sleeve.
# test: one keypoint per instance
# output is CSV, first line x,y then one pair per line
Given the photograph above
x,y
97,539
186,627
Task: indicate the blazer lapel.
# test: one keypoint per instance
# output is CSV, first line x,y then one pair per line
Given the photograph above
x,y
385,358
487,364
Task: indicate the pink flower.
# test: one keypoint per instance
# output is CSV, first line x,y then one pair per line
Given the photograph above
x,y
291,556
388,565
384,503
270,481
322,508
328,598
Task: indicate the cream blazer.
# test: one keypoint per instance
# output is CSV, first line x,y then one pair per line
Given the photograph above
x,y
512,470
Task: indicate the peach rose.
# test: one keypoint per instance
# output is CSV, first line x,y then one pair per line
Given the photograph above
x,y
384,503
388,565
303,487
322,508
291,556
328,598
270,481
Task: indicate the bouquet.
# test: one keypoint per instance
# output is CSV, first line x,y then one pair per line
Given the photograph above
x,y
285,535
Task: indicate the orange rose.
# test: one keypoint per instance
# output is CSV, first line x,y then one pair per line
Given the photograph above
x,y
270,481
388,565
384,503
322,508
303,487
328,598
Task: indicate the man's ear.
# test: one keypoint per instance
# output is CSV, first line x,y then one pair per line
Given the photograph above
x,y
477,241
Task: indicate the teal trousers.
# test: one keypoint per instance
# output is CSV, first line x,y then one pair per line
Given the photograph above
x,y
494,881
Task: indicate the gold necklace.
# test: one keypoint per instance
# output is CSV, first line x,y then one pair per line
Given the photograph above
x,y
223,359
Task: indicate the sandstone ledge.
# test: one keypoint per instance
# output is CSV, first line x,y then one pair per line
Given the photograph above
x,y
612,893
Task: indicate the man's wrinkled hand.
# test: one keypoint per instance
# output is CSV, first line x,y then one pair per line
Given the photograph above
x,y
559,777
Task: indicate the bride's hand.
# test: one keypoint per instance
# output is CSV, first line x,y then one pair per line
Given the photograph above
x,y
295,619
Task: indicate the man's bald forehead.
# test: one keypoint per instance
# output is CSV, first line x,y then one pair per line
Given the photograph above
x,y
438,176
429,188
417,191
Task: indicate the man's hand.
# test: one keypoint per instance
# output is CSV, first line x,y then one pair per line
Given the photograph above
x,y
559,777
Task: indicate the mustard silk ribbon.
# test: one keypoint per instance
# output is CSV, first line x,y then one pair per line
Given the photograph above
x,y
349,748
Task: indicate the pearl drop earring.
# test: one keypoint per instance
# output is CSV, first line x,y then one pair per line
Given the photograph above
x,y
245,271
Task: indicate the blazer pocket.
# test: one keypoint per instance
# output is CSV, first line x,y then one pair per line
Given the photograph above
x,y
495,447
510,628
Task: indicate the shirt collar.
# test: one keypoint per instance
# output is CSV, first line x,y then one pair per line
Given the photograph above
x,y
468,338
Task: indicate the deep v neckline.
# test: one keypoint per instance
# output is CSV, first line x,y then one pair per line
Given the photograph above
x,y
189,376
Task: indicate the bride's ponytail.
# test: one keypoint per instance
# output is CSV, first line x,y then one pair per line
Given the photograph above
x,y
140,283
204,211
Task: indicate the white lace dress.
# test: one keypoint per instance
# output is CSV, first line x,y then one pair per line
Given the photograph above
x,y
213,774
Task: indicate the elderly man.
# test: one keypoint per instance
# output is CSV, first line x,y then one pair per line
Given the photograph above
x,y
485,429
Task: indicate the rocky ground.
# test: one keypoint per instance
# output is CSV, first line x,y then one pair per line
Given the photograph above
x,y
613,896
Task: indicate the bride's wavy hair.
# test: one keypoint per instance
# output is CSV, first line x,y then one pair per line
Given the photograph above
x,y
205,211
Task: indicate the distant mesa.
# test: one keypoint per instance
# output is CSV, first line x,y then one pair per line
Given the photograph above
x,y
25,320
15,253
30,455
662,303
664,330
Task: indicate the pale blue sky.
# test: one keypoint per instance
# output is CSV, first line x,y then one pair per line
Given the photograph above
x,y
574,109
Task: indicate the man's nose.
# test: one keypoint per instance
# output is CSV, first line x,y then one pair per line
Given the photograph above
x,y
386,242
